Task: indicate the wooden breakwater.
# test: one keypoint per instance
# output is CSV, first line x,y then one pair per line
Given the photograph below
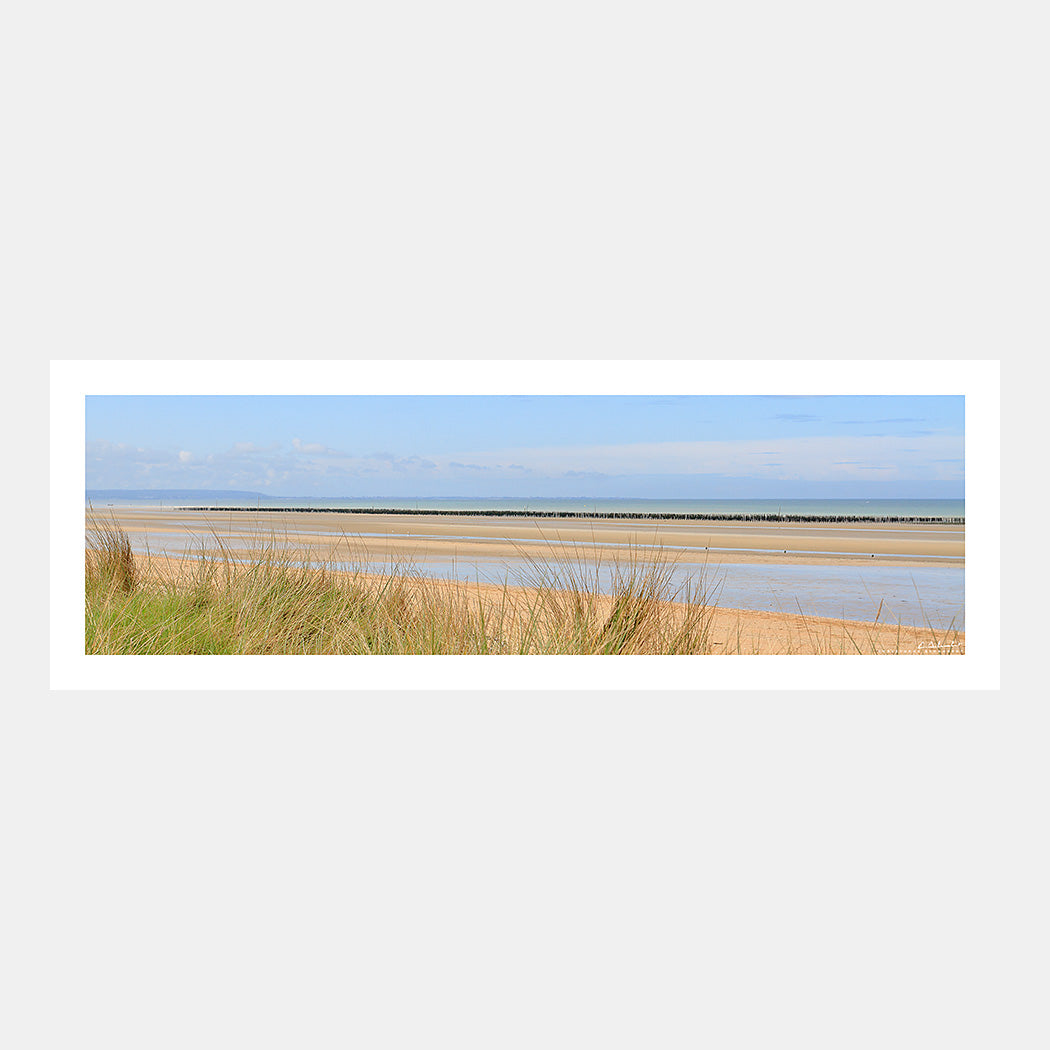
x,y
603,515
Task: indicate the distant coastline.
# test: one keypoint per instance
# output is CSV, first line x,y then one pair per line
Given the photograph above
x,y
170,495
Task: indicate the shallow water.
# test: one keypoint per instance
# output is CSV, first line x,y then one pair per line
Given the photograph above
x,y
192,538
915,596
912,596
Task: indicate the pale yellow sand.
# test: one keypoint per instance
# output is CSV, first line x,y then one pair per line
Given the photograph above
x,y
421,538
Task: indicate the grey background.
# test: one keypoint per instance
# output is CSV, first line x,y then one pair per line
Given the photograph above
x,y
849,869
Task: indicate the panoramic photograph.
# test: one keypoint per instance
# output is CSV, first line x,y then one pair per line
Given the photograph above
x,y
524,525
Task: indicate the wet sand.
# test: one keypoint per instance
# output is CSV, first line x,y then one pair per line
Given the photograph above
x,y
381,537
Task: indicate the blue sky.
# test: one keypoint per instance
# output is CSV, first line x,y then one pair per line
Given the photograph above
x,y
663,447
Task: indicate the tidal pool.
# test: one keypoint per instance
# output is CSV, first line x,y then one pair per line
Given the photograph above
x,y
919,596
926,596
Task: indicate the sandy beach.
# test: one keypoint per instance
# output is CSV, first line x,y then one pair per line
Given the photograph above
x,y
171,535
422,538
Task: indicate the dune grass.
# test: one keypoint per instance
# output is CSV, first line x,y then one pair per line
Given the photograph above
x,y
277,602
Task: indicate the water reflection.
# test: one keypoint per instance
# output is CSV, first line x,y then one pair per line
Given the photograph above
x,y
913,596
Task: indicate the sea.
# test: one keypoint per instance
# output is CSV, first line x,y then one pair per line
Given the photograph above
x,y
874,508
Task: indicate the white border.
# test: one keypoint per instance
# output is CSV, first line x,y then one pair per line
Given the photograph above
x,y
977,380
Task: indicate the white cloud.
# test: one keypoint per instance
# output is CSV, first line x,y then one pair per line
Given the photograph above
x,y
802,458
308,466
310,446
